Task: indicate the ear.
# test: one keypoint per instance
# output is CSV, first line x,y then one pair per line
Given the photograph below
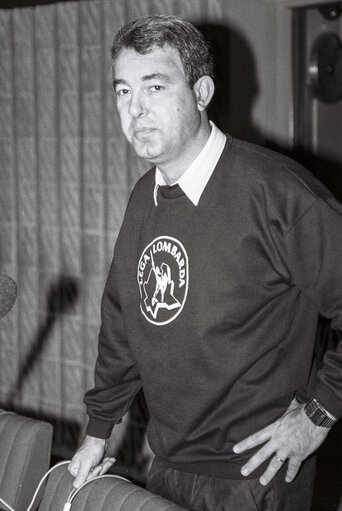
x,y
204,90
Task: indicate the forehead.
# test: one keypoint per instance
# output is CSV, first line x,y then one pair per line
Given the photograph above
x,y
163,61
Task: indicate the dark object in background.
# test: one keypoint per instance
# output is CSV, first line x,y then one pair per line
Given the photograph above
x,y
326,68
8,294
61,297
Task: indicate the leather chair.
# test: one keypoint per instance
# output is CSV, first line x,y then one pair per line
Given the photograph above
x,y
25,451
25,448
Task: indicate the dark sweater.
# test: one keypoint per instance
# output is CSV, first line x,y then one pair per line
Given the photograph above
x,y
213,308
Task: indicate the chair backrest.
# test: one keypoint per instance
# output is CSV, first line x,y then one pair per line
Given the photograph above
x,y
106,494
25,451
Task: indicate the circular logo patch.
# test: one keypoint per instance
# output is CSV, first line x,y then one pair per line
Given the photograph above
x,y
163,278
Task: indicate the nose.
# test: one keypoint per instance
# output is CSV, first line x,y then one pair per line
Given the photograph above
x,y
137,106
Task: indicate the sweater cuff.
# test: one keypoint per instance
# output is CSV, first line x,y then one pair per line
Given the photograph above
x,y
99,428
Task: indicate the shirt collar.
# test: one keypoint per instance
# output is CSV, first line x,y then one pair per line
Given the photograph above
x,y
196,177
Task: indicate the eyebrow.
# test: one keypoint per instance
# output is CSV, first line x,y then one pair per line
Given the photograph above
x,y
145,78
118,82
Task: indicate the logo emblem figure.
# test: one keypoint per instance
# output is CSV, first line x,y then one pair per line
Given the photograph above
x,y
163,276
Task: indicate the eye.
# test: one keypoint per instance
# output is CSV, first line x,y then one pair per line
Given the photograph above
x,y
122,92
156,88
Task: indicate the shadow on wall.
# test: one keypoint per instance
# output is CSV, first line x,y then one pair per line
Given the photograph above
x,y
61,297
236,82
237,88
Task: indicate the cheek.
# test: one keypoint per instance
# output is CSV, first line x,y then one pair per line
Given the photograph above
x,y
124,121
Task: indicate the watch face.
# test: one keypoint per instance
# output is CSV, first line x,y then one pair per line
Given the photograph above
x,y
317,414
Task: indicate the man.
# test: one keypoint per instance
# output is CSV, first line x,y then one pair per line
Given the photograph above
x,y
252,247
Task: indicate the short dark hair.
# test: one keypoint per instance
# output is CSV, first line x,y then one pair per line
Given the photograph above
x,y
143,34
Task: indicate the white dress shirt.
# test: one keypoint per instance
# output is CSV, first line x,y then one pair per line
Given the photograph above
x,y
195,178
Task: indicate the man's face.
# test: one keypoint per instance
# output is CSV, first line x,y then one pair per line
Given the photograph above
x,y
157,108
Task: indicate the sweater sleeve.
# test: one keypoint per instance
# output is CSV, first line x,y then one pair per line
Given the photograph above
x,y
117,379
314,252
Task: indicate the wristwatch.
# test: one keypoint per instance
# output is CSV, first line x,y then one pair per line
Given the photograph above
x,y
317,414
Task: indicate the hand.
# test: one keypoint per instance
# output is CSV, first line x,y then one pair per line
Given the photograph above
x,y
293,437
88,461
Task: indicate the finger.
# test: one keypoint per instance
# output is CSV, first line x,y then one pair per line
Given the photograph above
x,y
101,468
273,468
254,440
73,467
82,475
94,472
292,469
257,459
106,464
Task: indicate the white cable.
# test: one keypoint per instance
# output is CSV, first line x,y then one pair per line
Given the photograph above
x,y
43,479
75,491
7,505
38,487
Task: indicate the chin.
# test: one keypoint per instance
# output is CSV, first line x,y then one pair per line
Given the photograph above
x,y
147,154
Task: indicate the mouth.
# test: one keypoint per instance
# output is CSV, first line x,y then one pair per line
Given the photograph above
x,y
143,133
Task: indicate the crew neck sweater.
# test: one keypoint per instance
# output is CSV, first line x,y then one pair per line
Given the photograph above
x,y
213,308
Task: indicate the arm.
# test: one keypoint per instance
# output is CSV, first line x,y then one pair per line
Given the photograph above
x,y
312,250
117,379
116,383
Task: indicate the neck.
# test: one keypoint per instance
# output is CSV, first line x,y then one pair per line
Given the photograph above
x,y
173,171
